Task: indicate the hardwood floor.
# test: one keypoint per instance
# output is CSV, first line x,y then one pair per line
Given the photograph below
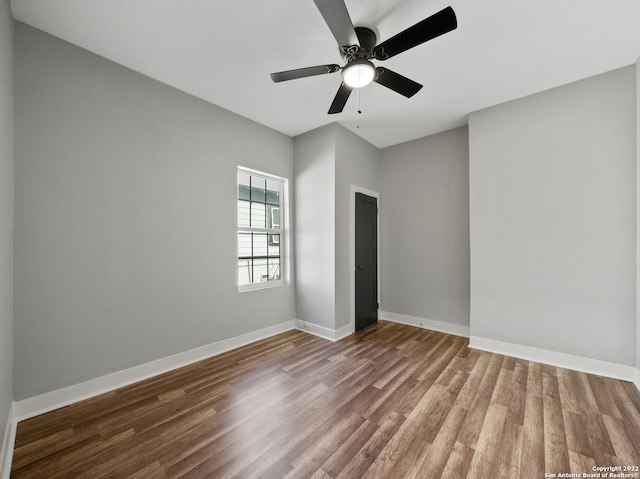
x,y
392,401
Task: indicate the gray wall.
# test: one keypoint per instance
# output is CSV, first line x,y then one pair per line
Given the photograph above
x,y
314,200
425,228
357,163
125,200
553,219
6,214
328,160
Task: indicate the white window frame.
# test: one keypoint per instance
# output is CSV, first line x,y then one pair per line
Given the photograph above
x,y
282,231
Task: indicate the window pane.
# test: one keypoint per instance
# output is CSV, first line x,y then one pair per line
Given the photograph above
x,y
260,270
274,245
243,186
273,192
244,271
258,187
243,213
273,217
258,219
274,269
244,245
259,244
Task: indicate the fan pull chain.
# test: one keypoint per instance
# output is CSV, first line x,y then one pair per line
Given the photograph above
x,y
358,106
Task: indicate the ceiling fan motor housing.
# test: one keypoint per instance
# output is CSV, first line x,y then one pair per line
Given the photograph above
x,y
367,39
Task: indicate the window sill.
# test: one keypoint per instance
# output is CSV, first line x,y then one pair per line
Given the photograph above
x,y
260,286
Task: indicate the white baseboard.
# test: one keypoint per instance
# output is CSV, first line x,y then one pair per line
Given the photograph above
x,y
50,401
637,381
441,326
553,358
8,442
343,332
326,333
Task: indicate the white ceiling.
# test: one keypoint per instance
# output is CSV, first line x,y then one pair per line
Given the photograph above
x,y
223,52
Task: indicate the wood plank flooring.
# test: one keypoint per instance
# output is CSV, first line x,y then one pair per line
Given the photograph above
x,y
389,402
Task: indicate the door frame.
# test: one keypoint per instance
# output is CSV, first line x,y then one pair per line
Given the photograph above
x,y
352,249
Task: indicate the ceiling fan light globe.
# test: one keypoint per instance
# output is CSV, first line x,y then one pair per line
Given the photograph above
x,y
359,73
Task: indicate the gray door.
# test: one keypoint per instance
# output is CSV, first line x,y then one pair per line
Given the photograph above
x,y
366,254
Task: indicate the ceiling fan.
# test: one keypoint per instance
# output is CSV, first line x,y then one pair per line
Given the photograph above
x,y
358,47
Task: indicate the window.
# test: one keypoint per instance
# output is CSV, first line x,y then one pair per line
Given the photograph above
x,y
260,229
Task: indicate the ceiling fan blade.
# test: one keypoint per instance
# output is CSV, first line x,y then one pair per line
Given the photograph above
x,y
341,99
304,72
437,24
337,18
396,82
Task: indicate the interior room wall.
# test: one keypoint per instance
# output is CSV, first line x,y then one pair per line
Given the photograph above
x,y
125,231
425,228
553,219
6,219
328,160
357,163
314,198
